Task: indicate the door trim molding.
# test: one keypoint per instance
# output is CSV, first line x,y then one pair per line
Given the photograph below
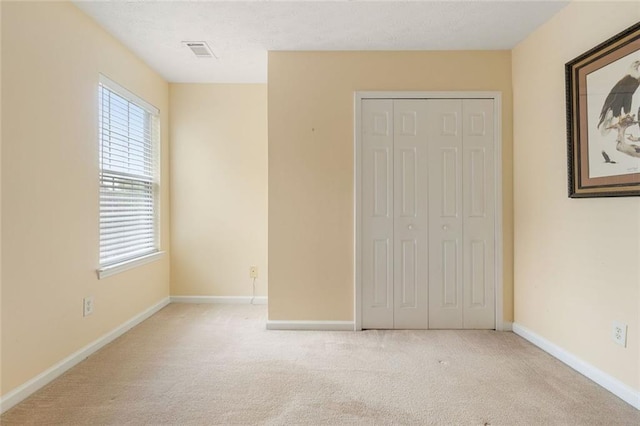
x,y
500,324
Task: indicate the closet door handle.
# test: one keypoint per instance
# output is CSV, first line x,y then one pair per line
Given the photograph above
x,y
409,227
445,227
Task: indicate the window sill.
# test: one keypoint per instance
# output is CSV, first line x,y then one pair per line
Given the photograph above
x,y
116,268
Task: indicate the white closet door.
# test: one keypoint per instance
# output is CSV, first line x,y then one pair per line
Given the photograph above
x,y
410,214
461,214
444,124
427,214
478,214
377,213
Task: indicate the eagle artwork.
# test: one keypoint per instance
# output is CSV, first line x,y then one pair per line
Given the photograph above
x,y
616,114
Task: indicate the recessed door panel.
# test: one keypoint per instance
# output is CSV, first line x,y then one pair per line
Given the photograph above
x,y
477,182
381,123
381,183
382,277
408,182
449,122
478,122
449,181
409,274
477,274
408,125
449,274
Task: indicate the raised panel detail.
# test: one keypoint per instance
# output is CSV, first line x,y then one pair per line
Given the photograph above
x,y
409,184
449,182
409,253
382,279
450,273
477,124
478,189
478,280
381,124
408,127
381,170
450,124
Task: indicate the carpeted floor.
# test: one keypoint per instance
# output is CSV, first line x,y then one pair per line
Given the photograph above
x,y
216,364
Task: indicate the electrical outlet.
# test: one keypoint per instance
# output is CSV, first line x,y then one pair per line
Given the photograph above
x,y
253,272
87,303
619,333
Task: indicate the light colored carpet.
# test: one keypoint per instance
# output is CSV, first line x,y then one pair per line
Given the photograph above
x,y
216,364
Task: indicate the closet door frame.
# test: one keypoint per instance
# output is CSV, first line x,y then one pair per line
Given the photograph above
x,y
500,324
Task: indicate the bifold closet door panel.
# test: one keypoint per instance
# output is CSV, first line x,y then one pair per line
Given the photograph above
x,y
377,213
478,213
445,149
410,214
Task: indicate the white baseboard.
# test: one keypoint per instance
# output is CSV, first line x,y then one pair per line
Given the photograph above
x,y
235,300
610,383
23,391
311,325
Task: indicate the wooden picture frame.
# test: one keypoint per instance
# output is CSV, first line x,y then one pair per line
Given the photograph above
x,y
603,131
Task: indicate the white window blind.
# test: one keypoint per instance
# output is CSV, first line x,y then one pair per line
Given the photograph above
x,y
129,140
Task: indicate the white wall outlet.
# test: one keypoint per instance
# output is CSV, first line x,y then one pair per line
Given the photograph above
x,y
87,303
253,272
619,333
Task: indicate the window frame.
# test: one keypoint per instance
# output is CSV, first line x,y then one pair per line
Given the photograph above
x,y
110,268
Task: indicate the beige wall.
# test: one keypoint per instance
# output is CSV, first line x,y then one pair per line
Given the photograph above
x,y
576,262
311,164
218,188
52,54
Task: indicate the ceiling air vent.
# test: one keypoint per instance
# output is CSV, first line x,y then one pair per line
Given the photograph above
x,y
200,49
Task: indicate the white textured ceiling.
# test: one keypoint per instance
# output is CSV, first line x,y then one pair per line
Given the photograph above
x,y
240,33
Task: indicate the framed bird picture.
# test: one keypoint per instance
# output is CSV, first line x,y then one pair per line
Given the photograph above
x,y
603,118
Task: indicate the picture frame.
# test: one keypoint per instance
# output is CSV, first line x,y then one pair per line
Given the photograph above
x,y
603,118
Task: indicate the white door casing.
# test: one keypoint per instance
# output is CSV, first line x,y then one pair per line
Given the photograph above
x,y
463,225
